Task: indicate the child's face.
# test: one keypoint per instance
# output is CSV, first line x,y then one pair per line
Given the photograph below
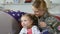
x,y
26,21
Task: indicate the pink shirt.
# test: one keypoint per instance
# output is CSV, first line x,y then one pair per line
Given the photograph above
x,y
29,31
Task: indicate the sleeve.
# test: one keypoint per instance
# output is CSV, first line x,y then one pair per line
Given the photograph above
x,y
22,31
36,30
45,31
52,22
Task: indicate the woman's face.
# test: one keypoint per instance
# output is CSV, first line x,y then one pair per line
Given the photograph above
x,y
26,21
38,12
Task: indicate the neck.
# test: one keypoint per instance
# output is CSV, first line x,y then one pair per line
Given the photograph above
x,y
30,27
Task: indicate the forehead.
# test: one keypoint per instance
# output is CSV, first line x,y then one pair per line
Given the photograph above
x,y
24,17
36,9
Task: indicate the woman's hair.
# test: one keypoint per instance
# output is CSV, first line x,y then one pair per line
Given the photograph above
x,y
36,3
40,4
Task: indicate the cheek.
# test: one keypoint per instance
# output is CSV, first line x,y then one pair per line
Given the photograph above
x,y
29,23
41,13
22,24
37,13
25,23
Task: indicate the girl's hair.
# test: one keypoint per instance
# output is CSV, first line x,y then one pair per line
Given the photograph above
x,y
32,17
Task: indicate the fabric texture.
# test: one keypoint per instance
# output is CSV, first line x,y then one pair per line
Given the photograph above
x,y
34,30
29,31
51,22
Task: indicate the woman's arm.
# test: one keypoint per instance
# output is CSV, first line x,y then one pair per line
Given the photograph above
x,y
52,22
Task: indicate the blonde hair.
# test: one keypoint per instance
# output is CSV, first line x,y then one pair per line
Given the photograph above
x,y
40,4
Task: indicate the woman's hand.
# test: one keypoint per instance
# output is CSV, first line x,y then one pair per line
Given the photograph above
x,y
42,24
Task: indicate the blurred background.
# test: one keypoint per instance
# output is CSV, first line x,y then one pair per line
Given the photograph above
x,y
53,5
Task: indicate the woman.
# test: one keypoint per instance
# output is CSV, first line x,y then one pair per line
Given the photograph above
x,y
45,20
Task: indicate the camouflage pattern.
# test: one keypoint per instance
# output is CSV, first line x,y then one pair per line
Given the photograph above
x,y
52,23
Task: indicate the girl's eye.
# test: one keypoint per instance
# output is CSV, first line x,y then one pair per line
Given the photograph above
x,y
24,20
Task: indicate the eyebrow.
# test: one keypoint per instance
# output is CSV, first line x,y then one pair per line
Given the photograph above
x,y
36,11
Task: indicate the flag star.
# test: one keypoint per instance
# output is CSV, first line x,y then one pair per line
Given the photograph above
x,y
11,11
7,11
18,14
13,14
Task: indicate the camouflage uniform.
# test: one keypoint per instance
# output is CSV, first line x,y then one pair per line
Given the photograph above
x,y
51,22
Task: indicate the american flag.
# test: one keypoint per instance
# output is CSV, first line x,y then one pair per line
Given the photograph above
x,y
15,14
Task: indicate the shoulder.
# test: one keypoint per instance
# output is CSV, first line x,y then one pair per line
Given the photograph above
x,y
23,30
34,26
51,19
35,30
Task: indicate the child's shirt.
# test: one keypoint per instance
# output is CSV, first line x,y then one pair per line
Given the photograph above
x,y
29,31
33,30
45,31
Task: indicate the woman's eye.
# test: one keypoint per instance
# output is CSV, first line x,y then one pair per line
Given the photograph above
x,y
25,20
36,11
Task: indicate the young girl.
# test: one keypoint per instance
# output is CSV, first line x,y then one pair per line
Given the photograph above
x,y
27,21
